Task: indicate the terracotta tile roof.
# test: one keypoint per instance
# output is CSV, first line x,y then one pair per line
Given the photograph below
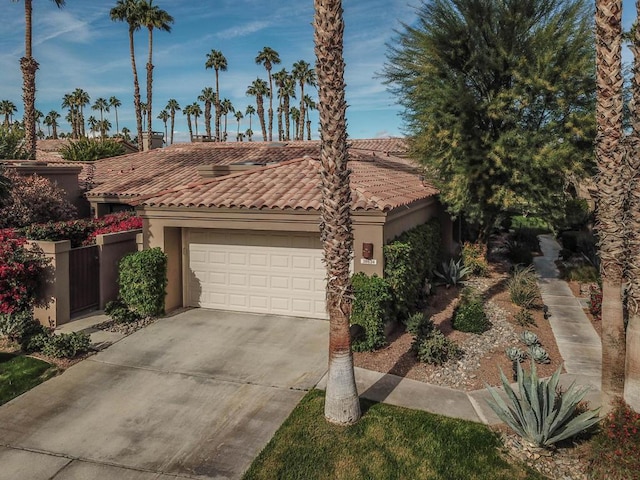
x,y
149,172
376,184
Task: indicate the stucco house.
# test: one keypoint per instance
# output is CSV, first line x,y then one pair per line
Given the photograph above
x,y
239,222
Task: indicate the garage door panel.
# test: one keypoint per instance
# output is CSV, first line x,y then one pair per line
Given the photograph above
x,y
262,273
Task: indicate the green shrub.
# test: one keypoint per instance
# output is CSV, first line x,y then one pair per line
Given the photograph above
x,y
143,280
527,238
435,348
524,317
579,273
519,254
536,223
469,316
86,150
120,313
542,415
577,214
474,257
371,309
19,326
65,345
419,324
409,261
12,144
523,287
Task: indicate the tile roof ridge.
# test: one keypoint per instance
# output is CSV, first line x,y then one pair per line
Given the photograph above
x,y
208,181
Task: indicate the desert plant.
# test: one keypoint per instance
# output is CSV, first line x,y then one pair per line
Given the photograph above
x,y
474,257
419,324
142,278
470,316
542,414
371,310
452,272
523,286
435,348
538,354
529,338
524,317
515,354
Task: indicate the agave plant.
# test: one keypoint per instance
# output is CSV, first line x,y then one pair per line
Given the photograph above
x,y
538,354
542,415
453,272
529,338
515,354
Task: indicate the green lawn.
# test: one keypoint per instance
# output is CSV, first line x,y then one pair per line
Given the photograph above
x,y
387,443
19,374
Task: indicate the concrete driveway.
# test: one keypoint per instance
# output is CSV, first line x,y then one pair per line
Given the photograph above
x,y
196,395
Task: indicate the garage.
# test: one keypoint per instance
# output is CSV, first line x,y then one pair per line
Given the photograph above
x,y
260,272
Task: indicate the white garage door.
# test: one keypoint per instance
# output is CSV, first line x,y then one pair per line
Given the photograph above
x,y
276,273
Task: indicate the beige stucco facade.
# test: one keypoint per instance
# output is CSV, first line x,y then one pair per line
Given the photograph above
x,y
168,228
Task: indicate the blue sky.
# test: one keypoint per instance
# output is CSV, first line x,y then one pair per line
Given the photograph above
x,y
78,46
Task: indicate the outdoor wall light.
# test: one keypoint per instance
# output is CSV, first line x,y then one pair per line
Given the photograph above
x,y
367,251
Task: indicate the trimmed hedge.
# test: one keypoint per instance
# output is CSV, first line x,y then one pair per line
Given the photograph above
x,y
371,308
409,261
143,281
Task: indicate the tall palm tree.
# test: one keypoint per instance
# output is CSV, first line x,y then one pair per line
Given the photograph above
x,y
143,109
278,78
259,89
249,134
173,106
129,11
29,66
81,99
269,57
610,195
309,105
47,122
239,116
152,17
187,111
196,111
227,108
208,96
295,118
217,61
7,108
53,117
164,117
116,104
93,125
304,75
251,111
69,102
103,105
39,116
342,405
104,126
126,134
288,91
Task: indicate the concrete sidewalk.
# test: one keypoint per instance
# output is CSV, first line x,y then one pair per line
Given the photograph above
x,y
578,342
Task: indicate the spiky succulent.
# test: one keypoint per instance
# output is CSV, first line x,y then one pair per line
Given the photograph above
x,y
542,414
539,354
452,272
515,354
529,338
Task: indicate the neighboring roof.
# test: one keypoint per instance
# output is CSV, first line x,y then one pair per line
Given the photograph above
x,y
376,184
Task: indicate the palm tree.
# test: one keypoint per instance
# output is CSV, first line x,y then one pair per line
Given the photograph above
x,y
115,103
129,11
126,134
249,134
81,99
251,112
104,126
259,89
69,102
103,105
208,96
93,125
227,108
143,109
29,66
268,57
295,117
164,116
279,77
152,17
304,75
342,405
309,105
173,106
239,116
52,120
196,111
47,122
39,116
217,61
610,195
7,108
187,111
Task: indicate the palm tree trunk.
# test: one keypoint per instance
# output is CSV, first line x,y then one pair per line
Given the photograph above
x,y
342,405
610,201
136,91
29,66
207,117
217,108
300,127
270,113
286,118
150,85
259,102
117,126
173,121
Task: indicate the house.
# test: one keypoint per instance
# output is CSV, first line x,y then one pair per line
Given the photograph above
x,y
240,222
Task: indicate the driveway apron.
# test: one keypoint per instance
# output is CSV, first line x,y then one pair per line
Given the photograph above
x,y
196,395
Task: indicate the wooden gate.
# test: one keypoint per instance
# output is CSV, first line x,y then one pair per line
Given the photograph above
x,y
84,278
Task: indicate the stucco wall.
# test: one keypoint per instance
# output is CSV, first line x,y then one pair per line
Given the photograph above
x,y
56,291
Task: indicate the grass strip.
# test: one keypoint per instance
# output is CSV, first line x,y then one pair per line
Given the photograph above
x,y
19,374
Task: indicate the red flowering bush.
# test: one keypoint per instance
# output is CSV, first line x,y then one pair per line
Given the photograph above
x,y
117,222
595,302
615,451
33,199
22,269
